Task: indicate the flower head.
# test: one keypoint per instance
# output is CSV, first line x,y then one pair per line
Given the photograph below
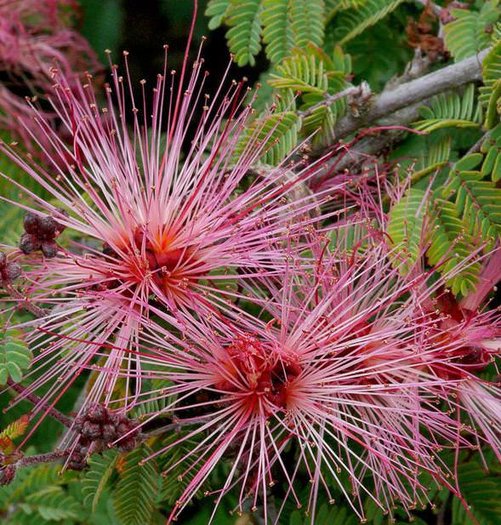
x,y
33,37
156,218
334,385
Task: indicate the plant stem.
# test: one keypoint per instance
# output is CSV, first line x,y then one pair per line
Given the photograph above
x,y
410,93
42,458
36,400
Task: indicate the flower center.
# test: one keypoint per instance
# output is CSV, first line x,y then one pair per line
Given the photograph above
x,y
261,374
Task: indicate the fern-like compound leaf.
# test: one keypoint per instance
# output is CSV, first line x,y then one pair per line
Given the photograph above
x,y
15,357
217,10
490,92
451,110
136,492
101,468
451,244
405,228
277,30
244,36
307,20
351,22
467,35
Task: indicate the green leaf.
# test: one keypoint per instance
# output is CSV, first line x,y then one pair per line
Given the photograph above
x,y
351,22
316,75
481,492
245,30
405,228
52,504
307,21
15,357
450,110
490,92
467,35
491,146
478,201
277,129
450,245
137,490
277,30
95,480
217,11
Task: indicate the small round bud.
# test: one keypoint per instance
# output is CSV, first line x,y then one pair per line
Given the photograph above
x,y
97,414
47,227
29,243
12,271
7,474
49,249
91,430
109,433
31,223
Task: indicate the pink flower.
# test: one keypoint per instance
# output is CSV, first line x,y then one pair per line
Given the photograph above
x,y
33,37
334,383
151,224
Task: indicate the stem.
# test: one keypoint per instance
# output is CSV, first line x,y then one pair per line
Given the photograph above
x,y
36,400
410,93
354,91
42,458
37,311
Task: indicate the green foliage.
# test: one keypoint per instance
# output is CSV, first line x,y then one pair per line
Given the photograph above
x,y
470,31
136,492
464,213
481,491
369,51
490,92
276,129
39,495
433,155
477,200
277,30
451,110
405,228
52,504
491,148
351,22
282,24
15,357
95,480
300,107
216,11
245,29
450,245
466,217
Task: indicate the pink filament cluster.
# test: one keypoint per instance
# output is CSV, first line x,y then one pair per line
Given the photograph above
x,y
362,371
34,37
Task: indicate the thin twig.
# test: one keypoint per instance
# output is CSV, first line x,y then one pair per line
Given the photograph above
x,y
42,458
36,400
410,93
352,91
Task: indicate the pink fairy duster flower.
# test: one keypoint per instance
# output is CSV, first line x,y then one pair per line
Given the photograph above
x,y
468,338
336,372
33,37
151,224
